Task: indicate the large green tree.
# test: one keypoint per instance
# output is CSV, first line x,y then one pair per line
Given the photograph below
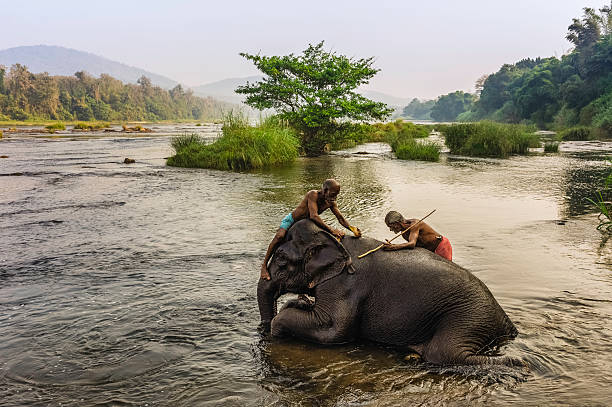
x,y
314,91
448,107
418,110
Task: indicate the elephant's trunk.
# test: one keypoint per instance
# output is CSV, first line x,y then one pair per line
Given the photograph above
x,y
267,293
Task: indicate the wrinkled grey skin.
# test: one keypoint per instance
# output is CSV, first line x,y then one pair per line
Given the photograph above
x,y
409,298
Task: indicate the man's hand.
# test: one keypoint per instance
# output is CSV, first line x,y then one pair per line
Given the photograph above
x,y
339,234
355,231
264,273
389,246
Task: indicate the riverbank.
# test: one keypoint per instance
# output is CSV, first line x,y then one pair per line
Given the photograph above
x,y
44,123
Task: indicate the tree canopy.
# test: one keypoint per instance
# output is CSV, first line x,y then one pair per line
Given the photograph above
x,y
448,107
313,91
418,110
25,95
557,93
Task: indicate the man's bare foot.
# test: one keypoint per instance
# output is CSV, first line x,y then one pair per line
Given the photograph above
x,y
264,273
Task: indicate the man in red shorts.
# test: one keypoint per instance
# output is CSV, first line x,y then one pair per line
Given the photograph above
x,y
422,235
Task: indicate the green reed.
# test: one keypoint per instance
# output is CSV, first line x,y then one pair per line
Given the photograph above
x,y
489,139
241,146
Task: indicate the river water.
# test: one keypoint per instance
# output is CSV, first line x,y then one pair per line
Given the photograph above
x,y
135,284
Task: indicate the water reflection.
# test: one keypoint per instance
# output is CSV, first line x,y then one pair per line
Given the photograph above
x,y
582,181
306,374
362,189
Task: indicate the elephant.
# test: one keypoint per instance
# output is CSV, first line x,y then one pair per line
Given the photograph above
x,y
412,299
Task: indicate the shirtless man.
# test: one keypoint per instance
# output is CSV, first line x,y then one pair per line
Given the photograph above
x,y
421,235
314,203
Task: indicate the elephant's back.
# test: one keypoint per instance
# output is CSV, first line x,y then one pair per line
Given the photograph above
x,y
421,291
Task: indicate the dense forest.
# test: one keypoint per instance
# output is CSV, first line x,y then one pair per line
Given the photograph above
x,y
28,96
575,90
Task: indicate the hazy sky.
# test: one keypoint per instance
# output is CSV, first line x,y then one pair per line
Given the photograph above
x,y
423,48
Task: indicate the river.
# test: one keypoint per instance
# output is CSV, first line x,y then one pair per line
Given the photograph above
x,y
135,284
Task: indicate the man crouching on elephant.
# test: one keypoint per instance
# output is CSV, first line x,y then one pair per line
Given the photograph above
x,y
313,204
422,235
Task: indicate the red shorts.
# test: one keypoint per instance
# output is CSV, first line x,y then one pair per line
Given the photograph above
x,y
444,249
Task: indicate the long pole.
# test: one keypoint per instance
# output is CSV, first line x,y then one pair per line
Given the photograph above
x,y
396,236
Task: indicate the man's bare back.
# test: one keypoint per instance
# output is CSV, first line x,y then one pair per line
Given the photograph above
x,y
302,211
425,235
314,203
421,235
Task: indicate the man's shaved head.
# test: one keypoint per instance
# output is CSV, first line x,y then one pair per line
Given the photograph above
x,y
394,217
331,185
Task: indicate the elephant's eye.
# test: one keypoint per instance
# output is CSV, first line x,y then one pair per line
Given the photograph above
x,y
281,259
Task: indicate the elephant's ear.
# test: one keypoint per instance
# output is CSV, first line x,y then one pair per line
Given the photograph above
x,y
326,259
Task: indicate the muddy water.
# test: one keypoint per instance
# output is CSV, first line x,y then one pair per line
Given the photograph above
x,y
135,284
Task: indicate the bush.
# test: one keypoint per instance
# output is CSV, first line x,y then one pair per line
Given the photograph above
x,y
346,135
413,150
241,147
456,135
489,139
183,141
91,125
551,147
576,134
56,126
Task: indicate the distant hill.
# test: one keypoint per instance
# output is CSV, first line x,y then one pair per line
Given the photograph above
x,y
224,90
65,61
392,101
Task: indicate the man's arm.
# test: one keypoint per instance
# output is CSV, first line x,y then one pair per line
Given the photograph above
x,y
411,244
336,211
313,210
343,222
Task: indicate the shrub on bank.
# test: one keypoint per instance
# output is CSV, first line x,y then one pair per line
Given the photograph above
x,y
411,149
91,125
551,147
56,126
576,134
489,139
241,146
347,135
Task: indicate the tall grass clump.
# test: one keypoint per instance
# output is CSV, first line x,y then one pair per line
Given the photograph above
x,y
551,147
56,126
411,149
489,139
240,147
183,141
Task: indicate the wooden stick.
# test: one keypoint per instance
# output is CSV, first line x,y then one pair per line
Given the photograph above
x,y
396,236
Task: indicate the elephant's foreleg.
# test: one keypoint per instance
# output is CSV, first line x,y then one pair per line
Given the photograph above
x,y
309,325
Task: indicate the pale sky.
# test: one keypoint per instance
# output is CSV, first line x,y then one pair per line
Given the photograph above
x,y
423,48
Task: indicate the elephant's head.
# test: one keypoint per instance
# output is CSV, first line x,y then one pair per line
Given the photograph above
x,y
306,258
